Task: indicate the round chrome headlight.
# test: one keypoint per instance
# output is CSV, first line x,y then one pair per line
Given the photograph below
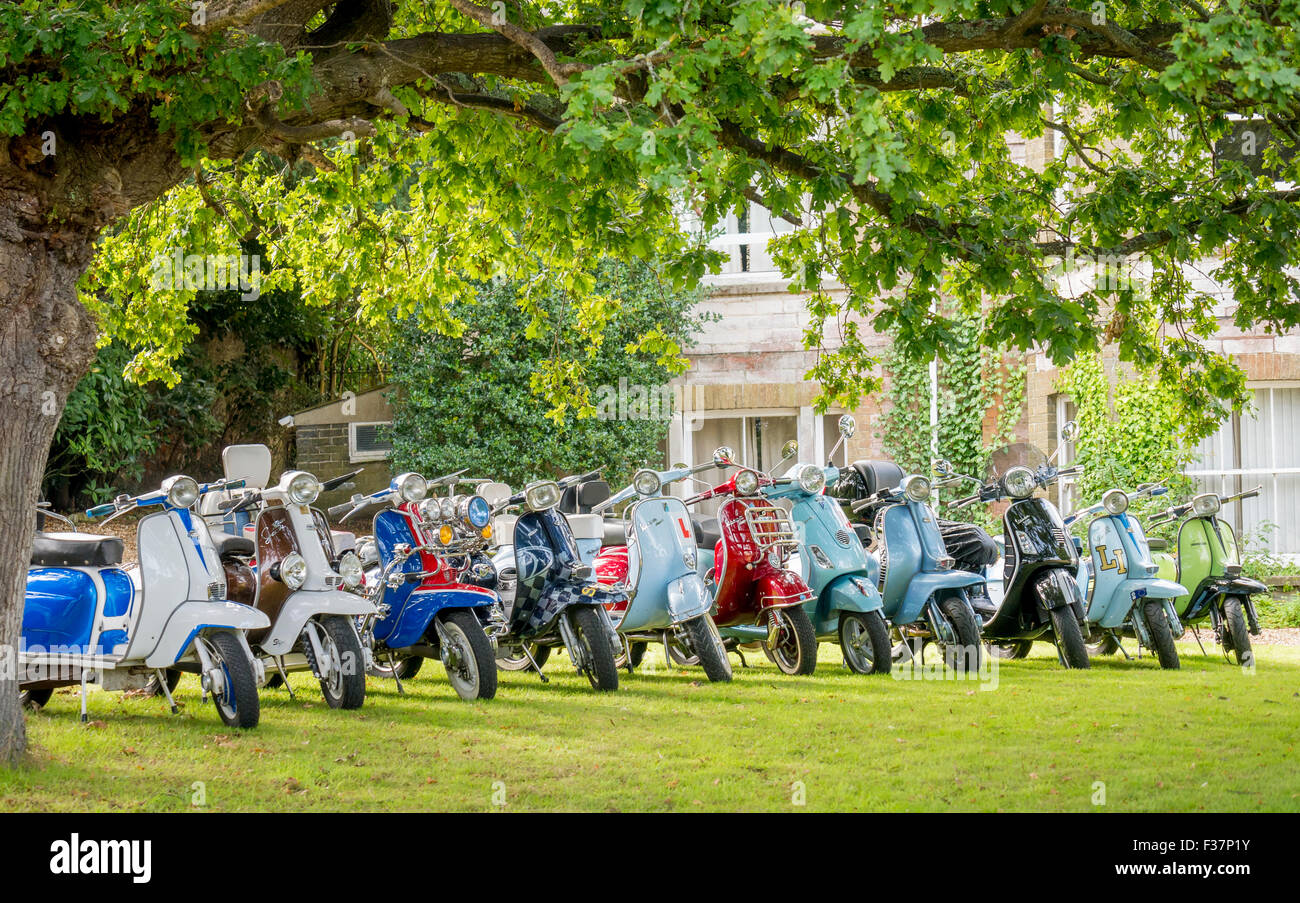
x,y
182,492
293,570
747,482
646,482
1115,501
303,488
542,495
430,510
916,488
812,479
447,508
476,511
350,569
1206,504
411,487
1020,482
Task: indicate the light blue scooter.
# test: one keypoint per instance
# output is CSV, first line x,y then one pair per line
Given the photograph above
x,y
655,563
846,607
925,597
1124,595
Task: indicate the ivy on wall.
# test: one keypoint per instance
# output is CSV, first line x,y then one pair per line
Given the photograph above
x,y
1129,434
972,382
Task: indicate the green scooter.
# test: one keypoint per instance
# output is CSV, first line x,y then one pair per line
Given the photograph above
x,y
1209,560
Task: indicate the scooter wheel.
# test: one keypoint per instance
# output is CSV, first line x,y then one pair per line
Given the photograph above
x,y
476,676
238,705
965,655
597,648
631,655
152,688
864,640
35,699
344,688
1069,638
1011,650
795,651
709,651
1236,635
1162,638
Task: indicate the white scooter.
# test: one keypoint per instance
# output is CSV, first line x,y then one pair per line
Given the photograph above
x,y
86,620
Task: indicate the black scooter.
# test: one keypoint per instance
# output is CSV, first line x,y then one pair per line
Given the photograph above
x,y
551,597
1040,594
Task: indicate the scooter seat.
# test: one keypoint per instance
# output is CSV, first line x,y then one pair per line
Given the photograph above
x,y
864,533
878,475
615,534
707,531
1156,544
75,550
230,544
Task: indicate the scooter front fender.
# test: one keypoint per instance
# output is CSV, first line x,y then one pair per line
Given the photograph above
x,y
1122,599
924,585
780,589
195,616
850,592
308,603
688,598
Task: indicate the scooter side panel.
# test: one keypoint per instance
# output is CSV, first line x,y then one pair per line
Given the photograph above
x,y
194,616
119,593
59,609
304,604
900,556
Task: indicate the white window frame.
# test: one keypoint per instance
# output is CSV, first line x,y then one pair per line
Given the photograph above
x,y
354,456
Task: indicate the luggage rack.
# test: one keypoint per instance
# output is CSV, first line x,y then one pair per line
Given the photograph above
x,y
770,526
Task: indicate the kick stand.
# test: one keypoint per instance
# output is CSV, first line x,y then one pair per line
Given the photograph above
x,y
162,682
279,666
1127,657
392,663
743,663
528,655
84,716
1197,633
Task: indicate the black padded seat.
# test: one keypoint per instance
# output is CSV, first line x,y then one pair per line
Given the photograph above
x,y
76,550
878,475
707,531
615,534
230,544
864,533
582,497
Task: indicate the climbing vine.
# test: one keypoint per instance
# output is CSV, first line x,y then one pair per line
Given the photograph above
x,y
1129,434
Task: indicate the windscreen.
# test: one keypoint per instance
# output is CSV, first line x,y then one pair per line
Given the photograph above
x,y
1018,454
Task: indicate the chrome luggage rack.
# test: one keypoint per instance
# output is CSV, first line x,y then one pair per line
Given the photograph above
x,y
770,526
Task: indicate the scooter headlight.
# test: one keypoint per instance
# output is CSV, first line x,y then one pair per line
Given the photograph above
x,y
476,511
1206,504
747,482
916,488
411,487
646,482
430,511
1115,501
303,488
350,569
446,534
812,479
182,491
293,570
447,508
542,495
1020,482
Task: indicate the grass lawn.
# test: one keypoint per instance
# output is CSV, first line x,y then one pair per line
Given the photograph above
x,y
1208,737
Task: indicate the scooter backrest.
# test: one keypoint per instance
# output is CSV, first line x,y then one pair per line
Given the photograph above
x,y
495,493
250,463
878,475
581,498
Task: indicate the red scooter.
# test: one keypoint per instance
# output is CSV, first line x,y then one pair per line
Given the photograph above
x,y
743,552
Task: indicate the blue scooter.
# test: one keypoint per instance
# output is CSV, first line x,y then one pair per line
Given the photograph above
x,y
925,597
550,594
86,619
651,555
846,607
1124,595
414,563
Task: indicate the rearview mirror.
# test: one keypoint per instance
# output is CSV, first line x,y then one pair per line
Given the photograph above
x,y
1070,431
848,426
723,455
943,467
790,449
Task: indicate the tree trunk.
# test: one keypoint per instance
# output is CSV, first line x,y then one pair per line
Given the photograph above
x,y
47,342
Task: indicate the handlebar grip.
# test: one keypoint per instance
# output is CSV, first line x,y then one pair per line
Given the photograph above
x,y
228,504
101,510
336,510
861,504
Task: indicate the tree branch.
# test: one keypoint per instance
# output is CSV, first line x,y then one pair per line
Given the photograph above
x,y
533,43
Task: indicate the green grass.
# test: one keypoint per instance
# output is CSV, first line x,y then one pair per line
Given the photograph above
x,y
1208,737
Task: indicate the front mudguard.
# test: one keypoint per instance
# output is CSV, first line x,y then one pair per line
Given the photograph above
x,y
924,585
688,598
192,618
1055,588
781,588
410,625
850,592
304,604
560,595
1124,596
1216,587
